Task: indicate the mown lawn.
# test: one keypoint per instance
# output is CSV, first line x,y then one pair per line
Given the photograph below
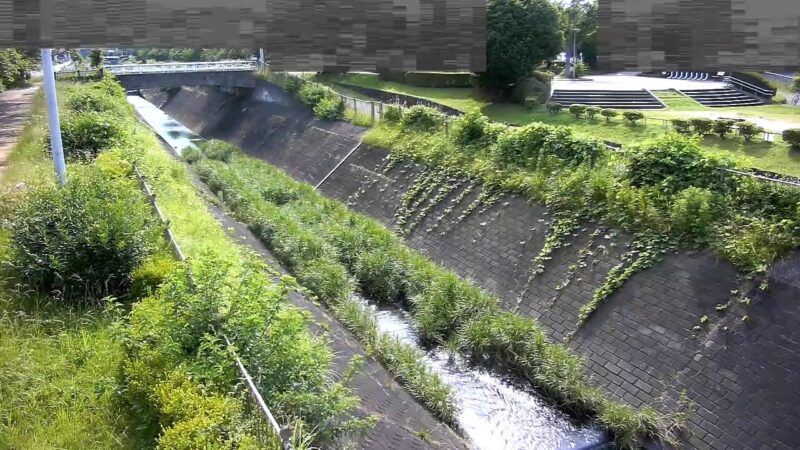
x,y
772,156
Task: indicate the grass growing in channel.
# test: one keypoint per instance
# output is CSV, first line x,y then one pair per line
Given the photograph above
x,y
179,386
325,244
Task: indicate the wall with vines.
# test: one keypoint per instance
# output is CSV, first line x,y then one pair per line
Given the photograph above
x,y
654,324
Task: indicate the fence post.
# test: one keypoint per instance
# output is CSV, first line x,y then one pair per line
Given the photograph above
x,y
355,108
372,111
381,109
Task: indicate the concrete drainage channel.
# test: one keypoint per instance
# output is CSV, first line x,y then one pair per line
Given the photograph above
x,y
495,412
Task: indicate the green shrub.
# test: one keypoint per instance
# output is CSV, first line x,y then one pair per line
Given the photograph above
x,y
609,114
381,275
191,155
792,137
682,126
530,103
146,278
446,304
218,150
392,114
701,125
85,135
95,100
329,108
722,127
673,163
422,118
279,195
84,240
633,116
748,130
469,128
292,85
692,213
592,111
527,146
554,107
312,93
328,280
753,243
577,110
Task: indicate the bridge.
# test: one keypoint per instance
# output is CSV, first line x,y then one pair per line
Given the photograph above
x,y
238,74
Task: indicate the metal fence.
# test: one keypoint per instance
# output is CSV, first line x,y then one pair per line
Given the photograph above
x,y
77,74
174,67
263,424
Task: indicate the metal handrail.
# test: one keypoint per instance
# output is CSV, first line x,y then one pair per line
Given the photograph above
x,y
251,387
760,90
216,66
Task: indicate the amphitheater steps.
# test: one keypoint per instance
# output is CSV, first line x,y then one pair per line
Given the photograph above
x,y
721,97
607,99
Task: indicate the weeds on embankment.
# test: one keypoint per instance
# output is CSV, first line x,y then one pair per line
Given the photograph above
x,y
326,245
177,386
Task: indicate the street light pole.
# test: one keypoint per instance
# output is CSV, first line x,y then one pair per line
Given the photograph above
x,y
52,114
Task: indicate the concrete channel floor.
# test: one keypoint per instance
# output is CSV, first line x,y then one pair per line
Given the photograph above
x,y
15,108
404,424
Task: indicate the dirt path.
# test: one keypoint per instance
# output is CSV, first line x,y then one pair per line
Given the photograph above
x,y
15,108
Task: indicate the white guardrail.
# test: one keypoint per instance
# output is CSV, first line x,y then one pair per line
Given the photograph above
x,y
215,66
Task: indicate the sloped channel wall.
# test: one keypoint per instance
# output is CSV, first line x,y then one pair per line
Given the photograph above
x,y
641,346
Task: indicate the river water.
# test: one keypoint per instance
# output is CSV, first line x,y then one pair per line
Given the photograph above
x,y
495,412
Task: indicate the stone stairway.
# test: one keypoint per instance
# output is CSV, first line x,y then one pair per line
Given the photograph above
x,y
721,97
640,99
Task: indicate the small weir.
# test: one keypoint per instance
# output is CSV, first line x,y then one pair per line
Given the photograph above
x,y
495,412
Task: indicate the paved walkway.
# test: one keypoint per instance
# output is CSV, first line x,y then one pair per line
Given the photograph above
x,y
15,107
632,83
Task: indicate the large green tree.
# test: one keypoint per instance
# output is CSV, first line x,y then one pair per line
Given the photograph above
x,y
520,34
96,58
15,66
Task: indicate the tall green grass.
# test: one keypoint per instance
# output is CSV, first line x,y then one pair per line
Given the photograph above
x,y
445,308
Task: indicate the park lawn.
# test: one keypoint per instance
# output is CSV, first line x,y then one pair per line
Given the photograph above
x,y
58,365
771,156
459,98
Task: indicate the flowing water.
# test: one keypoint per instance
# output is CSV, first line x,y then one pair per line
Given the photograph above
x,y
173,132
495,412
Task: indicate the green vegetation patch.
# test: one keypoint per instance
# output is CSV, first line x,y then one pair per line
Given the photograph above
x,y
325,244
179,387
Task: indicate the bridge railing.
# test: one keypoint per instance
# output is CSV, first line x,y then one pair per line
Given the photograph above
x,y
214,66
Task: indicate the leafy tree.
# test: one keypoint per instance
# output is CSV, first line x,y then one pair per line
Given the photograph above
x,y
15,66
582,16
520,35
796,87
96,58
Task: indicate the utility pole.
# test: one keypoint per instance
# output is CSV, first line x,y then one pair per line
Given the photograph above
x,y
575,53
52,114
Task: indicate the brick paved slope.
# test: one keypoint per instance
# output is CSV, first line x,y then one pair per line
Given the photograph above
x,y
640,346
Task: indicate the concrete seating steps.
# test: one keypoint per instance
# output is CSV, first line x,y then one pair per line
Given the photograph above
x,y
691,76
607,98
721,97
